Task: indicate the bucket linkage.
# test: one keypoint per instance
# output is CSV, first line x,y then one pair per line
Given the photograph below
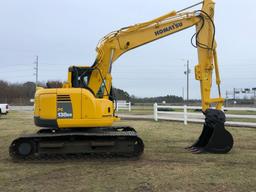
x,y
214,137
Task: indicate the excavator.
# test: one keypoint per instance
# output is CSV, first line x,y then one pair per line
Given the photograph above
x,y
78,118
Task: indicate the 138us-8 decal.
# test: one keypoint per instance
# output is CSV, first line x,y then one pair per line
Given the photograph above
x,y
64,110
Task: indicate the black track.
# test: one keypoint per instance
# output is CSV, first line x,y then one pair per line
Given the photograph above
x,y
108,141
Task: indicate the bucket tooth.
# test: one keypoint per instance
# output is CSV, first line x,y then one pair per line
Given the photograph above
x,y
197,150
214,137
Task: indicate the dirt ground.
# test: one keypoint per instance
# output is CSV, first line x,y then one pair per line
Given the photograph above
x,y
164,166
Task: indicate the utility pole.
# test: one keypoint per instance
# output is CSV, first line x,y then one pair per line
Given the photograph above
x,y
226,99
36,70
183,94
187,72
254,95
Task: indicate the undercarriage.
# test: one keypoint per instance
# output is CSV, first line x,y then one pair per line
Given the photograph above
x,y
110,141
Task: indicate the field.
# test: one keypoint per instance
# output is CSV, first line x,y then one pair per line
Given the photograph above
x,y
164,166
148,110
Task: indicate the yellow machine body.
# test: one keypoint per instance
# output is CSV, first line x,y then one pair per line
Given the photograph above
x,y
78,118
72,107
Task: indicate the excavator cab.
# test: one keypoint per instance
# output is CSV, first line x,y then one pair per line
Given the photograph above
x,y
80,76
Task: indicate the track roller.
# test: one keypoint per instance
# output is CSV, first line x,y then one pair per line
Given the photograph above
x,y
22,148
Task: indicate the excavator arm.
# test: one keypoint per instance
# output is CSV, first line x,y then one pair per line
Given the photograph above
x,y
214,137
112,46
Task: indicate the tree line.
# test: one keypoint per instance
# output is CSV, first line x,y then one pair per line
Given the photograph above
x,y
16,93
22,93
123,95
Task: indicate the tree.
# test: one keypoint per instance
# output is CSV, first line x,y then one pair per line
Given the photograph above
x,y
54,84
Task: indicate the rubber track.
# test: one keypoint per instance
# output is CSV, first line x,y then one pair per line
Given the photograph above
x,y
47,133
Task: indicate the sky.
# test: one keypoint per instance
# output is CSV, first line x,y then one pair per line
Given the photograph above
x,y
66,32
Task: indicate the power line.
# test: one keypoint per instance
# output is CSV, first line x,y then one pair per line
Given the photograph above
x,y
12,71
16,65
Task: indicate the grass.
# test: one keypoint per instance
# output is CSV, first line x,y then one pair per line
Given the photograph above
x,y
164,166
138,110
148,110
242,120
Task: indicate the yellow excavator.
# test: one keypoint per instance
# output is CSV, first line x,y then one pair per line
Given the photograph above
x,y
78,118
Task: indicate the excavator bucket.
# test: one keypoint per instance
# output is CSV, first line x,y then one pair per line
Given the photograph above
x,y
214,137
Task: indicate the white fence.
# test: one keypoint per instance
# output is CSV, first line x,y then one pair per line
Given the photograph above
x,y
123,105
165,113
